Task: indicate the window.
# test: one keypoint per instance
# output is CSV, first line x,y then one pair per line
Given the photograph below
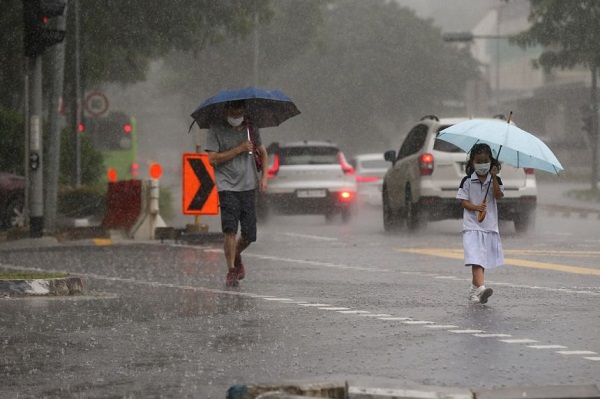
x,y
444,146
413,142
308,156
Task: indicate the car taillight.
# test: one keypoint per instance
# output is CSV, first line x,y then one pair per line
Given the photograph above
x,y
426,164
528,171
365,179
346,196
348,169
272,171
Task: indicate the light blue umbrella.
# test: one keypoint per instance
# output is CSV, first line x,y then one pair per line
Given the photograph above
x,y
509,143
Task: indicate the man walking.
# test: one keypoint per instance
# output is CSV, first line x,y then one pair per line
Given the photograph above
x,y
229,148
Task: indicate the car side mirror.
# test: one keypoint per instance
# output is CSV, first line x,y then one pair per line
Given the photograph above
x,y
390,156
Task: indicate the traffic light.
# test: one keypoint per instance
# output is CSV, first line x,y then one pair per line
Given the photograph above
x,y
38,33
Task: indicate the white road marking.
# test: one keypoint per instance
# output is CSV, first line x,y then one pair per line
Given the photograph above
x,y
279,299
376,315
547,346
354,311
594,358
576,352
441,326
313,305
333,308
394,318
466,331
312,237
518,341
492,335
417,322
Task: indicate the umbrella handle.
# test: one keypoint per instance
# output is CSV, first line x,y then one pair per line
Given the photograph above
x,y
481,215
249,139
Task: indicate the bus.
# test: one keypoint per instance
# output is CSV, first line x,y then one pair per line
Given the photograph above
x,y
115,136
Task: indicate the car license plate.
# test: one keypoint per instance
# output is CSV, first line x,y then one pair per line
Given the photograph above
x,y
312,193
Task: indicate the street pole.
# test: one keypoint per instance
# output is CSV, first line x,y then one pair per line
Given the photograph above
x,y
35,167
595,135
78,104
256,45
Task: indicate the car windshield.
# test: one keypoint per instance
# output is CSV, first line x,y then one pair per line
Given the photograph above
x,y
308,156
444,146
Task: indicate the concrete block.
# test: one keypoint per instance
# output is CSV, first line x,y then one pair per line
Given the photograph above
x,y
541,392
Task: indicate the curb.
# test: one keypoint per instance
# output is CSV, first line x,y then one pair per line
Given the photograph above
x,y
42,287
380,388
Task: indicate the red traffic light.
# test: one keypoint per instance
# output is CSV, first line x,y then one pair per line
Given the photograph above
x,y
127,128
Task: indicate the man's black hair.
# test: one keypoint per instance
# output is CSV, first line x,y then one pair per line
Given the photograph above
x,y
235,104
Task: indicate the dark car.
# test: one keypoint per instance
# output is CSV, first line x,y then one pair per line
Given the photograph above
x,y
12,200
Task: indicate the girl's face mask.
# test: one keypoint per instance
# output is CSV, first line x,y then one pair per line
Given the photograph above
x,y
482,168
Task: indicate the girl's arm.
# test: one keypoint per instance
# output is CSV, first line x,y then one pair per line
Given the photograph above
x,y
497,191
468,205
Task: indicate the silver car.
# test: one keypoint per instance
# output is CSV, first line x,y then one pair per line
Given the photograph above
x,y
308,177
369,170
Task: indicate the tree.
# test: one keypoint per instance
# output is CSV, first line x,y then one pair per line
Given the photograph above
x,y
357,70
570,34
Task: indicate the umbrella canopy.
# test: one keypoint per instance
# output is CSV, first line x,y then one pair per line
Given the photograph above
x,y
509,143
265,108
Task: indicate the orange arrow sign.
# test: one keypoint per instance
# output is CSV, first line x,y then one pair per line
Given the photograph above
x,y
200,195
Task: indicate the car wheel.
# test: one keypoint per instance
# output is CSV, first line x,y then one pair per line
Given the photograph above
x,y
329,215
415,217
391,221
524,222
13,214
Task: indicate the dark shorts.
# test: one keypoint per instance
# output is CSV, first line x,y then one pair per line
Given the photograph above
x,y
239,207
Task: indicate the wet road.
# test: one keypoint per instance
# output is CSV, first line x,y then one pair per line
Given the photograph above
x,y
319,299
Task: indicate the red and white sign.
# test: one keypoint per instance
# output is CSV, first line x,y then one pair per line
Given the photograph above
x,y
96,103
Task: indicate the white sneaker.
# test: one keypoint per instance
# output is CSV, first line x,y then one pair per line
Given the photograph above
x,y
474,294
484,294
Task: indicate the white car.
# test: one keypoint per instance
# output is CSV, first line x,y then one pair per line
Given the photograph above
x,y
369,170
308,177
423,181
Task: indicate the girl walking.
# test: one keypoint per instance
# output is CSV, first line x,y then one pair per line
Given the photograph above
x,y
478,192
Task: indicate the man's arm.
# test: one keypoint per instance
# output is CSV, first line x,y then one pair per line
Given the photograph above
x,y
264,156
217,158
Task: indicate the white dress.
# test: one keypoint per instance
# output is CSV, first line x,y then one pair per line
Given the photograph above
x,y
481,240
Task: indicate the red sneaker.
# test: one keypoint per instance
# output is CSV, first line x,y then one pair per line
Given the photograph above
x,y
239,267
232,279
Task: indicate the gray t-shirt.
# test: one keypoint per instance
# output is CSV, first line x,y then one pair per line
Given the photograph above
x,y
239,173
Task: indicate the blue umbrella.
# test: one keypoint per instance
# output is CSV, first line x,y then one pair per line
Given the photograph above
x,y
265,108
509,143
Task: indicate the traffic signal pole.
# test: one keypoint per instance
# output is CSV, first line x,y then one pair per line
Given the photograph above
x,y
35,164
37,37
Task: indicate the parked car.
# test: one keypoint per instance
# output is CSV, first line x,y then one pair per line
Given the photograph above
x,y
12,200
422,183
308,177
369,170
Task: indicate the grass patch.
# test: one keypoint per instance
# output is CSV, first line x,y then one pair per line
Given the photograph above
x,y
31,276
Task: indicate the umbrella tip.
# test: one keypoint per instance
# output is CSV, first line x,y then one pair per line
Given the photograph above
x,y
509,117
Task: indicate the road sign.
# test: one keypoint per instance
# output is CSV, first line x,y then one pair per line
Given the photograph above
x,y
200,195
96,103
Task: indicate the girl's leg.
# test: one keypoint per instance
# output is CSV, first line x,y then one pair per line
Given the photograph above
x,y
478,275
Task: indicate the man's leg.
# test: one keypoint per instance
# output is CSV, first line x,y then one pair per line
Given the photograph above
x,y
230,249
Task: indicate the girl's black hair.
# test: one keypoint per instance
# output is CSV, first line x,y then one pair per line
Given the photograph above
x,y
480,148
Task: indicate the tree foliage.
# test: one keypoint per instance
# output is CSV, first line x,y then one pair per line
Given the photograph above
x,y
569,31
357,70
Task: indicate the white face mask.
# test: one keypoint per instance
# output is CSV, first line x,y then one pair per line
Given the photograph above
x,y
235,121
482,168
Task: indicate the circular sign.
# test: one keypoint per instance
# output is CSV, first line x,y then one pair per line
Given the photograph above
x,y
96,103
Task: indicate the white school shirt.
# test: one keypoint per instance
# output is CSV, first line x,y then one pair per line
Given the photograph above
x,y
472,190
